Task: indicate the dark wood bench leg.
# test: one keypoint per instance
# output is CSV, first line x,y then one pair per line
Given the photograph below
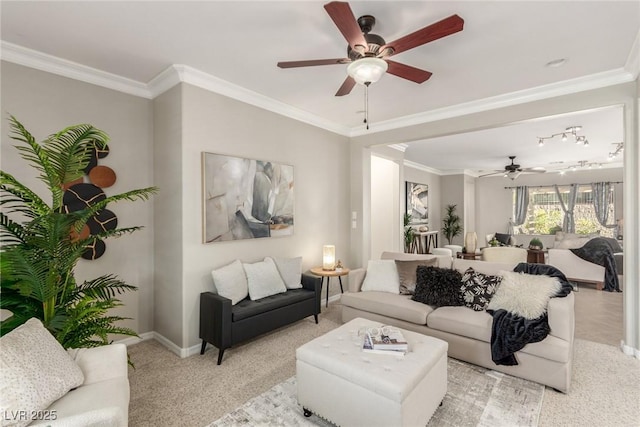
x,y
220,354
204,345
315,316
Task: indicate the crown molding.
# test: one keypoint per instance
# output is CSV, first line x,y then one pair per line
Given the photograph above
x,y
422,167
178,73
186,74
566,87
633,60
161,83
44,62
402,147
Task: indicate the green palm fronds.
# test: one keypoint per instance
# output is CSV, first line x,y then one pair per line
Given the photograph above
x,y
38,253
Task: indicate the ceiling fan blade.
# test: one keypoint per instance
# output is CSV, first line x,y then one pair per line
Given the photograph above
x,y
537,169
440,29
492,173
346,87
313,62
408,72
342,16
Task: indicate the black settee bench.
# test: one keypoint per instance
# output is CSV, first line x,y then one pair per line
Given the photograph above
x,y
224,325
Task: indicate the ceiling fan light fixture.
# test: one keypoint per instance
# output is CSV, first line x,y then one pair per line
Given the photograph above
x,y
367,70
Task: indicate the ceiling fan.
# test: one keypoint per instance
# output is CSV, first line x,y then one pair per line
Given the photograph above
x,y
514,170
367,53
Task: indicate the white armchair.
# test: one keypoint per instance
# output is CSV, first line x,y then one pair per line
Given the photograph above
x,y
576,268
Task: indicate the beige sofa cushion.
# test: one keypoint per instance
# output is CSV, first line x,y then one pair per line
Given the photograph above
x,y
462,321
387,304
407,273
443,261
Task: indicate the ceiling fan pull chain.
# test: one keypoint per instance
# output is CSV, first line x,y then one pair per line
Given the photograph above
x,y
366,103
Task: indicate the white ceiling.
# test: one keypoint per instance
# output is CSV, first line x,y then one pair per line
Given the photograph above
x,y
503,49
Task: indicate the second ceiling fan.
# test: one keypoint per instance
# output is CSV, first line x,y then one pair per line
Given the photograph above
x,y
514,170
368,53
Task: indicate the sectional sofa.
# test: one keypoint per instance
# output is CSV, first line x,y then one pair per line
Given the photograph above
x,y
468,332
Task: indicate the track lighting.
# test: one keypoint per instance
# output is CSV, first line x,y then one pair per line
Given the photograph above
x,y
619,149
564,136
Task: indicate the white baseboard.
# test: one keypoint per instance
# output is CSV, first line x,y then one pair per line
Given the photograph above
x,y
179,351
629,351
135,340
333,298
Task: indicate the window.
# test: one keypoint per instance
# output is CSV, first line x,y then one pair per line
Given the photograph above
x,y
545,214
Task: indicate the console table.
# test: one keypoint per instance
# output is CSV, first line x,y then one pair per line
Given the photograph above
x,y
430,239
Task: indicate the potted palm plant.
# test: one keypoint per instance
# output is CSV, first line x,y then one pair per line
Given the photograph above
x,y
451,224
409,237
41,243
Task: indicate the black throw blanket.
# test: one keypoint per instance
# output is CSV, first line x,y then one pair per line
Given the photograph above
x,y
599,251
511,332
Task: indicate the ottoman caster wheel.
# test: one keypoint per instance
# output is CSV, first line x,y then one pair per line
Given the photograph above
x,y
307,413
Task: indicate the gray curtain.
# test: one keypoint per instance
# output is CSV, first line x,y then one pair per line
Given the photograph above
x,y
568,225
521,205
601,192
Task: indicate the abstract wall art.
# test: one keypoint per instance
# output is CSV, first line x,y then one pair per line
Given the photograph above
x,y
246,198
417,203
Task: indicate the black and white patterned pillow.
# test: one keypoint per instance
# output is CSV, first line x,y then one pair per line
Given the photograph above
x,y
478,288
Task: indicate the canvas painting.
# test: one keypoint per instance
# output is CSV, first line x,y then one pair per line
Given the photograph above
x,y
417,203
246,198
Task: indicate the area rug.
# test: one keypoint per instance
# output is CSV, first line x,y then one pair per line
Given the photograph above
x,y
475,397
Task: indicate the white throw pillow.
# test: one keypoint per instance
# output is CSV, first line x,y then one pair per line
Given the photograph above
x,y
263,279
382,275
35,371
526,295
290,270
230,282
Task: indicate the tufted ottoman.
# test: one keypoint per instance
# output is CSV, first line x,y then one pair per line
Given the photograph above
x,y
341,383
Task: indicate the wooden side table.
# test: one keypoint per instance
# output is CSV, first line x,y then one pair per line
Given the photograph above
x,y
318,271
468,255
535,256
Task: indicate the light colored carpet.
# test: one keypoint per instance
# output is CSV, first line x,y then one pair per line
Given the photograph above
x,y
169,391
475,397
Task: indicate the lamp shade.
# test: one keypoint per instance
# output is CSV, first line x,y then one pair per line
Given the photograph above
x,y
328,257
367,70
471,242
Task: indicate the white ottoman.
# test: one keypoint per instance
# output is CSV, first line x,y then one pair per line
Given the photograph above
x,y
341,383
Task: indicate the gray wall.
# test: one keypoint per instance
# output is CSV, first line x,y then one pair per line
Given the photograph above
x,y
168,215
453,193
217,124
433,180
45,104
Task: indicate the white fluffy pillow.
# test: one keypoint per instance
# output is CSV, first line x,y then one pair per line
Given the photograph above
x,y
382,275
231,282
263,279
35,370
526,295
290,270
